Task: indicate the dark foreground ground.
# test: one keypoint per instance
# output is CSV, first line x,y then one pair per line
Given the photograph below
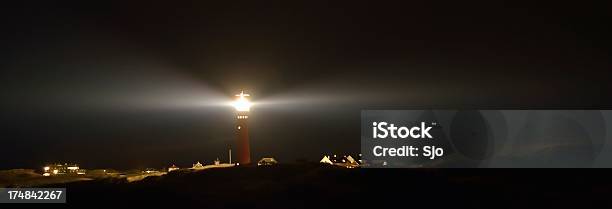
x,y
314,186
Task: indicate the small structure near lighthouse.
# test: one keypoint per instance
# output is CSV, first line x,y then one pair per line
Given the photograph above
x,y
243,146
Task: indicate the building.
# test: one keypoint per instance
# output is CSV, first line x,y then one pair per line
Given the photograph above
x,y
267,161
242,106
63,169
346,161
150,170
173,168
197,166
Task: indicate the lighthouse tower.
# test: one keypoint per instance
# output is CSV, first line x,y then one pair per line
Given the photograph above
x,y
242,106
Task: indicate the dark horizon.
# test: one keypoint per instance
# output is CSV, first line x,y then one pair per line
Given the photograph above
x,y
128,85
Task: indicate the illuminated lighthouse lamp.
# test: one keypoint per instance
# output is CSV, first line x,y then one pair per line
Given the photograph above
x,y
242,104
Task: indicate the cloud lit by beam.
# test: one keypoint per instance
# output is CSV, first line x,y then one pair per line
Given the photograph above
x,y
125,88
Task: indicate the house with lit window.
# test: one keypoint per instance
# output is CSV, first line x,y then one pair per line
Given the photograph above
x,y
63,169
346,161
197,166
173,168
267,161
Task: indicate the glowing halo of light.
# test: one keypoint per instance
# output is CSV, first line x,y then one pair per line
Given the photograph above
x,y
242,104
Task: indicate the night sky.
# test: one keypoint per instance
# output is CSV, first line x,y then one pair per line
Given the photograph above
x,y
145,84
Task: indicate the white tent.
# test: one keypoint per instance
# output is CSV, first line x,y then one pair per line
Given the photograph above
x,y
351,160
326,160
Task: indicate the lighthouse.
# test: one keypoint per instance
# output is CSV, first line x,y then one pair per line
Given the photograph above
x,y
243,107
